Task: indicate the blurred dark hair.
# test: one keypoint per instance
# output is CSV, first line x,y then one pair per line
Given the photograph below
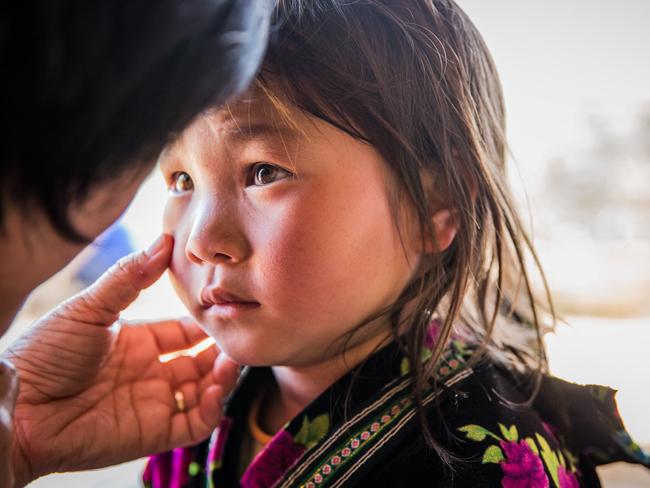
x,y
416,81
91,90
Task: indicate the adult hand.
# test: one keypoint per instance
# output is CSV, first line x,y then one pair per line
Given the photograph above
x,y
92,394
8,390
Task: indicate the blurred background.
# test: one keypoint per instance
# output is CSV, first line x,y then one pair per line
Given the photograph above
x,y
576,80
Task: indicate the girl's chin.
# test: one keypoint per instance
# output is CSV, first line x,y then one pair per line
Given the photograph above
x,y
248,360
246,355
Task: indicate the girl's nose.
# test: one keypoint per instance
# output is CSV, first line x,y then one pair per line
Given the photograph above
x,y
216,238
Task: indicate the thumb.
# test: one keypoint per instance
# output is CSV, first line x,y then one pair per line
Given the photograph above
x,y
118,287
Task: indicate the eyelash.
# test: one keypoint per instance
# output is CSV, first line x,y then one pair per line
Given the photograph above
x,y
251,174
253,169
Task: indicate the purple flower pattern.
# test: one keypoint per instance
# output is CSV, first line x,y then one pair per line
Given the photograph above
x,y
169,469
522,468
566,478
527,462
218,445
271,463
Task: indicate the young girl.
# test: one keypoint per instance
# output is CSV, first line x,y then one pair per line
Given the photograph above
x,y
345,230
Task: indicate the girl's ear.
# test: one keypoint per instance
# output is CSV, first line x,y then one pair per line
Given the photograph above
x,y
445,226
444,219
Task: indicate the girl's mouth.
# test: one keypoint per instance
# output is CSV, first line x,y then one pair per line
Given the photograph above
x,y
223,303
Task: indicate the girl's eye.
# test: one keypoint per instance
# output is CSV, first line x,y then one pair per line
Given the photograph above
x,y
181,182
265,173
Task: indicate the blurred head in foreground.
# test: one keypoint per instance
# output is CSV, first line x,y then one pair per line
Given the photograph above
x,y
91,92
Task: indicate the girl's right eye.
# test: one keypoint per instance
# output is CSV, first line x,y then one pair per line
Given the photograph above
x,y
181,182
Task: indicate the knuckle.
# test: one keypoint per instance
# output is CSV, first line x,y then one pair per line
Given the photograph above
x,y
129,267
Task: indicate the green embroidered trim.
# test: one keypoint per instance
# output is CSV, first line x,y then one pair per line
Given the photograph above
x,y
362,442
451,361
347,451
396,389
332,460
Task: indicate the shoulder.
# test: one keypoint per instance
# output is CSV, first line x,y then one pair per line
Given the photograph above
x,y
492,431
494,425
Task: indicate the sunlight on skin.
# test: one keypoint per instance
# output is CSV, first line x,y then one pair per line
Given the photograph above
x,y
192,351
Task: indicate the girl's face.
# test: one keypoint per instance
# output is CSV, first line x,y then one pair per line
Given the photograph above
x,y
285,239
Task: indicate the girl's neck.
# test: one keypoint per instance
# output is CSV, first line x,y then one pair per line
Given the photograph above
x,y
297,387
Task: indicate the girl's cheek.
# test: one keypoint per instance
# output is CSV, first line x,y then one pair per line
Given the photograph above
x,y
170,217
175,224
180,282
180,273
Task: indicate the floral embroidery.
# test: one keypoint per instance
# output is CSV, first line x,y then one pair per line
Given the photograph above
x,y
427,349
520,454
452,361
283,451
216,449
218,444
567,479
273,461
312,432
172,469
522,468
521,459
356,443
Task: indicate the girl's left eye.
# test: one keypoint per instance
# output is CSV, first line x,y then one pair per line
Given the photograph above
x,y
261,174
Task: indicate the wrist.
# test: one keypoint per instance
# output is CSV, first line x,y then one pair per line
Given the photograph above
x,y
12,473
21,468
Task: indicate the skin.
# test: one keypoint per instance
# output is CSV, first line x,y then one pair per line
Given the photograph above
x,y
314,243
92,390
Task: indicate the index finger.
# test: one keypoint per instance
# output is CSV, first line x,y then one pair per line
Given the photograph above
x,y
103,301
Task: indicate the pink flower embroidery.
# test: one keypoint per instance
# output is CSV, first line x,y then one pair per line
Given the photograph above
x,y
432,334
522,467
566,478
215,454
157,472
270,464
169,469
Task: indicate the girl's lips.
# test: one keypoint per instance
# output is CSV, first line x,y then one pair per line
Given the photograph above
x,y
230,310
219,297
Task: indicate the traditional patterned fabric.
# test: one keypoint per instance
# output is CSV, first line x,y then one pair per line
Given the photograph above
x,y
364,431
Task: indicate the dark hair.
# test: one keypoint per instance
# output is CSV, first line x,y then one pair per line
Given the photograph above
x,y
93,89
415,80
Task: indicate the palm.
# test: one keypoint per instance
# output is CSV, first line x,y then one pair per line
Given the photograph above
x,y
92,396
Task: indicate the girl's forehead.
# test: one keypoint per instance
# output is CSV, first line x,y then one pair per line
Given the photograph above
x,y
259,105
255,116
245,120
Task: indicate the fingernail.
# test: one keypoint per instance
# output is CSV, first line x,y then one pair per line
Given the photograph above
x,y
156,246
